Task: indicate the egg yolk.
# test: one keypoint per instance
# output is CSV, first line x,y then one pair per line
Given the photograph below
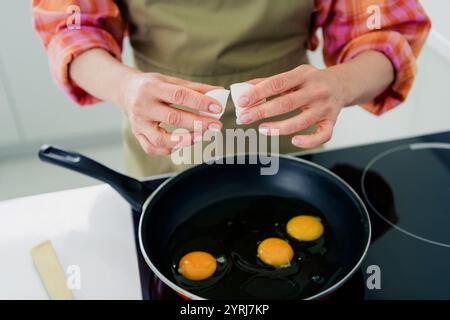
x,y
305,228
197,265
275,252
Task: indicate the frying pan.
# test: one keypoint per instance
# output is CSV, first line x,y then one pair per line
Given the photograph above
x,y
183,195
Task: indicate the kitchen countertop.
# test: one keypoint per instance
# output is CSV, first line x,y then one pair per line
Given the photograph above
x,y
89,227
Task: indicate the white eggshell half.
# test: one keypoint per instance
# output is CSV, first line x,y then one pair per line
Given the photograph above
x,y
220,95
237,90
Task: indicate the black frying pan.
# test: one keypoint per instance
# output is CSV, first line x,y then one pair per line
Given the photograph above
x,y
183,195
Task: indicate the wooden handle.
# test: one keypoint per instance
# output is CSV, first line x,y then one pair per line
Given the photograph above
x,y
50,271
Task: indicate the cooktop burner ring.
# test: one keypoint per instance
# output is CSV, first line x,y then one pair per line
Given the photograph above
x,y
413,146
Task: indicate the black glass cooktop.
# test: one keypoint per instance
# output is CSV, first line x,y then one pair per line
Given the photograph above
x,y
406,187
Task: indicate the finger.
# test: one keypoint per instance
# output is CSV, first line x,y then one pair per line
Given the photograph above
x,y
182,119
183,96
272,86
196,86
323,134
149,148
275,107
292,125
161,139
256,81
201,87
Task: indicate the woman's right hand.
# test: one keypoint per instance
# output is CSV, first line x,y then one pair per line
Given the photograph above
x,y
148,100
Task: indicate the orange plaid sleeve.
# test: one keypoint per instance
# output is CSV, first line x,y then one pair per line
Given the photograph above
x,y
70,27
349,28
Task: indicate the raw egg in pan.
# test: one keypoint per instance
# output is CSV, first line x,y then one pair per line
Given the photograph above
x,y
275,252
305,228
197,265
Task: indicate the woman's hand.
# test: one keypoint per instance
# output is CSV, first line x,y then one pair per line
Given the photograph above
x,y
318,94
148,99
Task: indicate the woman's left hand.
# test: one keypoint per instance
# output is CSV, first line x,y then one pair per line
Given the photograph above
x,y
318,94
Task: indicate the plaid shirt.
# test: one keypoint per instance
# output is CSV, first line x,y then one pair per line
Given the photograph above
x,y
403,29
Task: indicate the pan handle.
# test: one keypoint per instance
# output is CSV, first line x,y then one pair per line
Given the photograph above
x,y
134,191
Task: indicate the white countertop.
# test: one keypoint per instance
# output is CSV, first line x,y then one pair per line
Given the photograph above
x,y
89,227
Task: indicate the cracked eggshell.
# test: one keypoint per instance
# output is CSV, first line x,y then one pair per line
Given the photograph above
x,y
220,95
237,90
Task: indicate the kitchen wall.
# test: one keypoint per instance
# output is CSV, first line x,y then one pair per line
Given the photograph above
x,y
439,12
33,111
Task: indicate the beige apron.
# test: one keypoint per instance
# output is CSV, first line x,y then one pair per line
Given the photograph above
x,y
218,42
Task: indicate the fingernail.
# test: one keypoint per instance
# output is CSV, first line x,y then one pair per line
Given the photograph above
x,y
245,118
214,127
243,101
214,108
297,141
264,130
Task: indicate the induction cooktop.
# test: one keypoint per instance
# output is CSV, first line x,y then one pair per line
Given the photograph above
x,y
405,185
